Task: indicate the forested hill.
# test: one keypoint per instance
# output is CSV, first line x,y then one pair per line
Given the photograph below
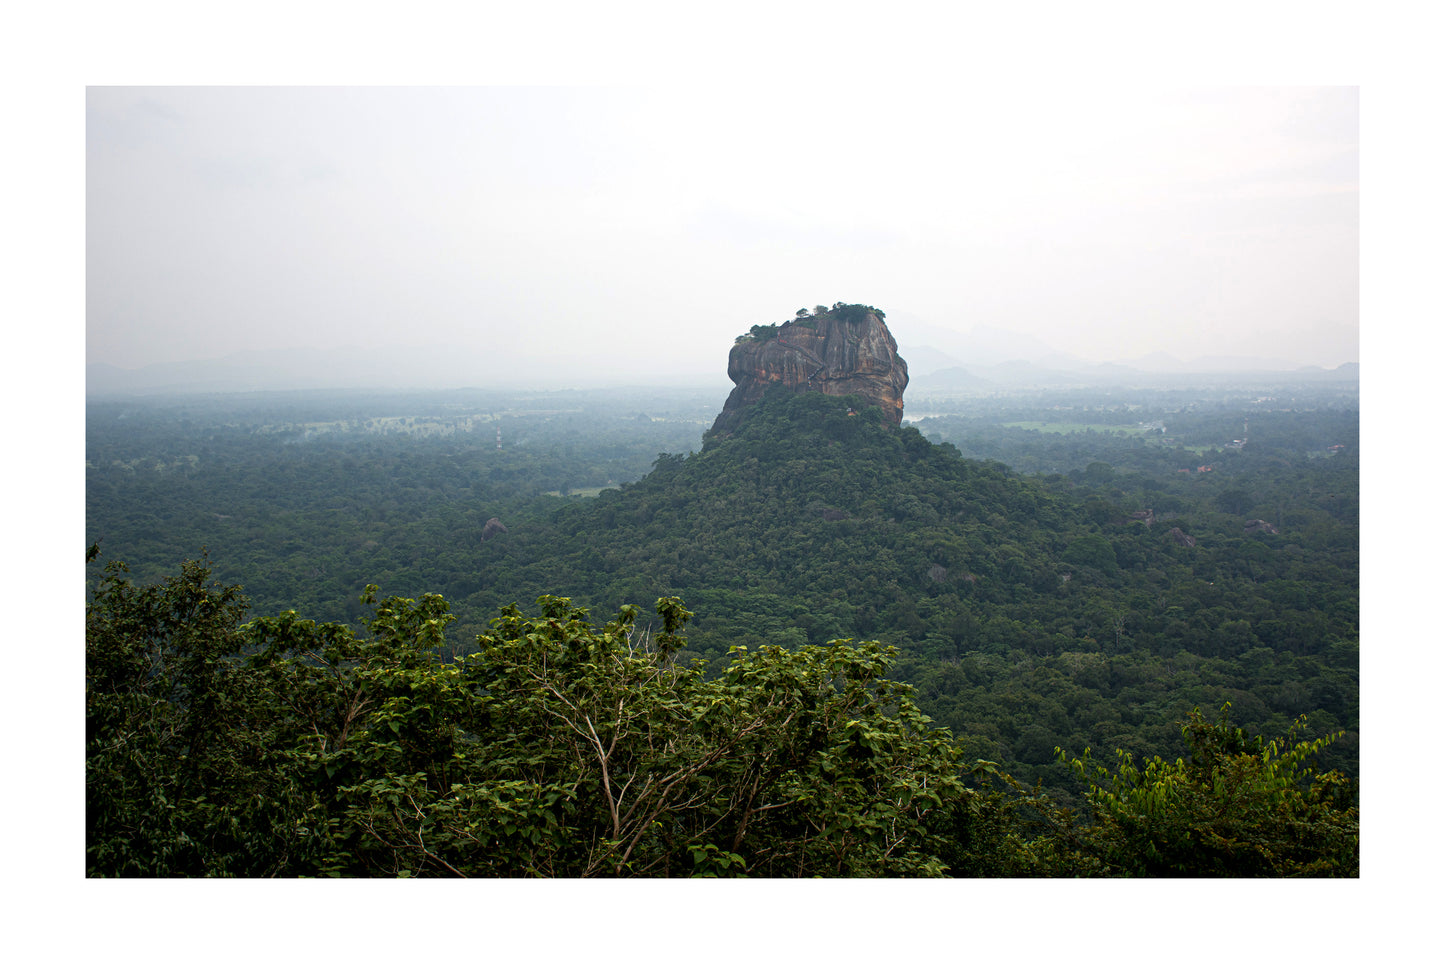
x,y
814,520
1093,606
1031,613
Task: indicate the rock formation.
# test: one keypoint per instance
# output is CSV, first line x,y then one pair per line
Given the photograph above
x,y
1181,538
845,350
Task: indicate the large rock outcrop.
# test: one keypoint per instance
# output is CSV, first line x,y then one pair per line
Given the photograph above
x,y
845,350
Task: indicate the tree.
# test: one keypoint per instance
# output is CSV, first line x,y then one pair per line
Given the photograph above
x,y
180,779
560,748
568,750
1234,500
1238,807
287,747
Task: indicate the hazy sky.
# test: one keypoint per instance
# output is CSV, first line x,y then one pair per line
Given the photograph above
x,y
641,229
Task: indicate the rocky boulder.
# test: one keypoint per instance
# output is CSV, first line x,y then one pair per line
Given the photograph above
x,y
845,350
1181,538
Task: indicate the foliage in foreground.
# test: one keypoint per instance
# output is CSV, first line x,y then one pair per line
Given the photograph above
x,y
285,747
1240,806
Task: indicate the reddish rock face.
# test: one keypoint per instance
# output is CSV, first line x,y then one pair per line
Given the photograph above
x,y
846,351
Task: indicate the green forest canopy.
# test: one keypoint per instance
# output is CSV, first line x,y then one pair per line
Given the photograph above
x,y
283,747
1027,612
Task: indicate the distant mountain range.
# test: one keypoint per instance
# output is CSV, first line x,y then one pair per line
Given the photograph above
x,y
984,359
991,358
1023,374
988,357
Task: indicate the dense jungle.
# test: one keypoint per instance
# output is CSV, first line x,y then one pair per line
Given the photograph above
x,y
1029,633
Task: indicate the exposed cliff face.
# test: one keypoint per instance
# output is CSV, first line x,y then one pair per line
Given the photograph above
x,y
845,351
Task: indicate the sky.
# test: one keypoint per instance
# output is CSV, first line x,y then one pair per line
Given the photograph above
x,y
505,232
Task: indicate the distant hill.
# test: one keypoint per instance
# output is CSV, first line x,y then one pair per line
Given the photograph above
x,y
804,501
1028,375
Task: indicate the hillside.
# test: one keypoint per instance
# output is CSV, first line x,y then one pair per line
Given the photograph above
x,y
1031,613
813,498
1091,606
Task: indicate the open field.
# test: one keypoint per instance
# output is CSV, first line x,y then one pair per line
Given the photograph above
x,y
586,492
